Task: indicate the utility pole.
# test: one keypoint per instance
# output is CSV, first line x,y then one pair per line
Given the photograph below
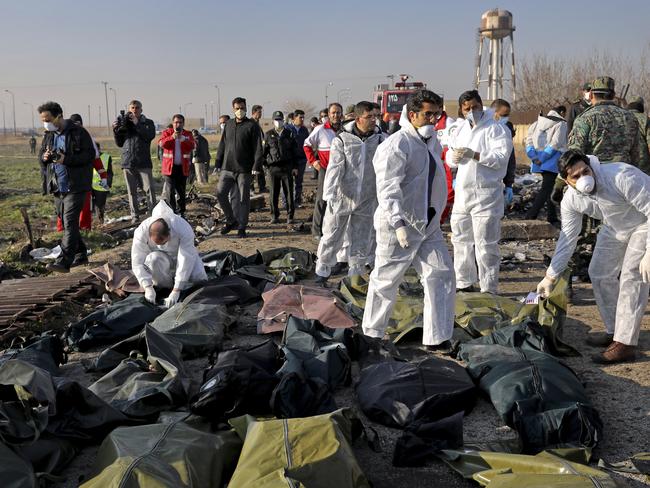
x,y
13,106
212,113
326,87
114,100
219,114
4,120
205,122
108,123
89,120
100,116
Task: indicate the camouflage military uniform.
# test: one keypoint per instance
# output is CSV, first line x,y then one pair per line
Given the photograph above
x,y
644,145
607,131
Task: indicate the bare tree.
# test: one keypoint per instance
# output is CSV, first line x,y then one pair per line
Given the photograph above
x,y
294,104
545,81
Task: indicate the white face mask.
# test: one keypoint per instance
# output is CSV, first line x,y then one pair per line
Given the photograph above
x,y
503,120
278,124
222,126
586,184
426,131
240,113
586,96
474,116
49,126
324,120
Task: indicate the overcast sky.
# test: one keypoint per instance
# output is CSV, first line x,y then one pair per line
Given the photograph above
x,y
169,54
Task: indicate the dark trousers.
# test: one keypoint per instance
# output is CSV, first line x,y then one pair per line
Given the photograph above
x,y
68,209
544,197
99,204
228,180
175,185
319,206
281,178
261,182
302,165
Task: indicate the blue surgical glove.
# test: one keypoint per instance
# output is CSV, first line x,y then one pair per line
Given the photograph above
x,y
507,193
546,154
531,153
453,184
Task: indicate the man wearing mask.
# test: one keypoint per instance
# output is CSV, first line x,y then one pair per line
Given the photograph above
x,y
281,153
618,194
301,133
480,149
238,156
350,194
177,144
163,255
317,150
411,193
201,157
260,177
222,122
502,109
134,133
66,156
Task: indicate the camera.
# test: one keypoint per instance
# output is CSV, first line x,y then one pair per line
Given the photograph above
x,y
123,122
55,155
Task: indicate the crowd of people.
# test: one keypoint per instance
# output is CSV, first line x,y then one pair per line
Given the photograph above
x,y
383,192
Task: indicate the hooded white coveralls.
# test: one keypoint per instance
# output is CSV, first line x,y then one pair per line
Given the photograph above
x,y
621,200
176,264
350,192
402,165
478,204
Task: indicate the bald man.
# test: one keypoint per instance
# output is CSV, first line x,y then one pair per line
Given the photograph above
x,y
163,255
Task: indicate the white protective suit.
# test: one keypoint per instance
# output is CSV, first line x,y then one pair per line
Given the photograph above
x,y
478,203
176,264
402,165
350,192
621,200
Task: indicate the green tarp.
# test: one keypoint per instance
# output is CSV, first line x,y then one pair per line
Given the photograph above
x,y
310,452
545,470
165,455
477,314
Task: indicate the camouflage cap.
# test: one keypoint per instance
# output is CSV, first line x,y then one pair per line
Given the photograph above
x,y
604,84
586,87
636,100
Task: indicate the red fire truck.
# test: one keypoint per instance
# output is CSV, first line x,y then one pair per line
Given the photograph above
x,y
391,100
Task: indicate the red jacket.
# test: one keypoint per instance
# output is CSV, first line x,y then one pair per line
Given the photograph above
x,y
321,139
168,143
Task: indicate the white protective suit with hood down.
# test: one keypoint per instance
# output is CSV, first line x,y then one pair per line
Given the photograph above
x,y
351,195
621,200
478,203
402,166
176,264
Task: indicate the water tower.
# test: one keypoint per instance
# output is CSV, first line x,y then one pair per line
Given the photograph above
x,y
493,62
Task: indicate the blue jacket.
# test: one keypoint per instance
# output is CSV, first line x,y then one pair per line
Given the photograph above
x,y
546,140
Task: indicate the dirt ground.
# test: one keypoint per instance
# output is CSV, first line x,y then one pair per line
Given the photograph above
x,y
621,393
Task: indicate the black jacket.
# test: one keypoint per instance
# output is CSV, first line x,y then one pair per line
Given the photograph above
x,y
509,178
78,161
202,150
281,150
240,148
574,110
136,143
301,133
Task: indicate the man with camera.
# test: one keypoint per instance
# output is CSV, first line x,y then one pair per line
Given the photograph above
x,y
133,132
66,157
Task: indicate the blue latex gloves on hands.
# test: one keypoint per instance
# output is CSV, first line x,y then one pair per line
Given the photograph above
x,y
508,195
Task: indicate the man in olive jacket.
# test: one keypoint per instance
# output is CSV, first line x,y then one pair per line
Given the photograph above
x,y
66,158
